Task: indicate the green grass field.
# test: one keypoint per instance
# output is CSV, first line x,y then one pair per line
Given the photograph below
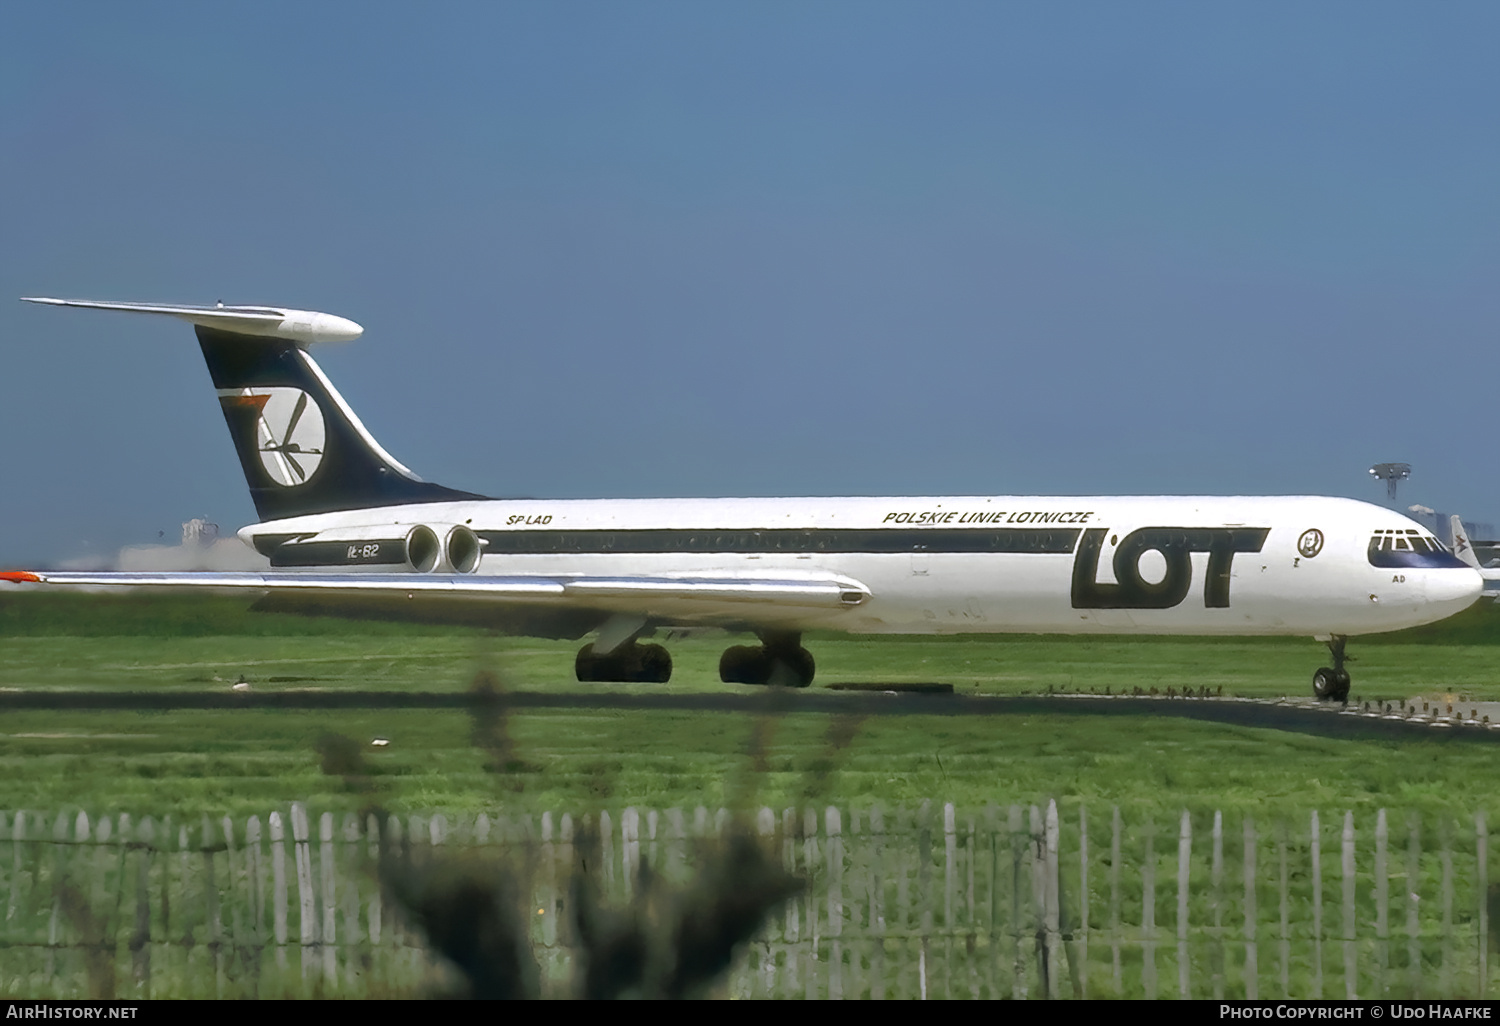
x,y
241,762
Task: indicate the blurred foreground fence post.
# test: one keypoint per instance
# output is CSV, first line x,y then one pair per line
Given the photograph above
x,y
1252,960
1315,851
1346,868
1382,906
278,888
1481,898
1184,860
1083,899
1413,900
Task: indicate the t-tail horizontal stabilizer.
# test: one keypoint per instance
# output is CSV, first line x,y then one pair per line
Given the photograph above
x,y
261,321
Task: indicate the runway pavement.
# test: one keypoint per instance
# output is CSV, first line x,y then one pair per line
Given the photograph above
x,y
1429,717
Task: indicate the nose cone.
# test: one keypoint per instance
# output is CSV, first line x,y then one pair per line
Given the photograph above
x,y
1452,591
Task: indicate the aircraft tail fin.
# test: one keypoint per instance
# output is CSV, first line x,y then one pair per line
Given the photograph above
x,y
1462,547
302,449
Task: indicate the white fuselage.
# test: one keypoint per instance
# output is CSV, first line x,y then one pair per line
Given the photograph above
x,y
1137,564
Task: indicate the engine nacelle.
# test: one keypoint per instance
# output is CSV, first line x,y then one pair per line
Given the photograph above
x,y
389,545
416,548
462,549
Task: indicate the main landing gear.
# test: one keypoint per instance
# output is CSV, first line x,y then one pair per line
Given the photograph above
x,y
631,662
779,661
1332,685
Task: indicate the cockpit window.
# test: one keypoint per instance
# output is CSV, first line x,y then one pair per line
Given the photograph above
x,y
1409,549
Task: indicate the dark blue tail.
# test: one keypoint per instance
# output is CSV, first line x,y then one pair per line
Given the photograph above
x,y
302,448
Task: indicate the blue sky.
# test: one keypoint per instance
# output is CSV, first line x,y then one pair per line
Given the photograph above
x,y
656,249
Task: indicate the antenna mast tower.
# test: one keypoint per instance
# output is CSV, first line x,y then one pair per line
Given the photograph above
x,y
1392,474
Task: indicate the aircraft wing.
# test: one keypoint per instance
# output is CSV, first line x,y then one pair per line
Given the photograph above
x,y
688,599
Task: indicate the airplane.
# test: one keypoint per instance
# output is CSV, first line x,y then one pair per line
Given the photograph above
x,y
1464,550
349,531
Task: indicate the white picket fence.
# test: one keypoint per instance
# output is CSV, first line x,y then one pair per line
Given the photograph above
x,y
932,901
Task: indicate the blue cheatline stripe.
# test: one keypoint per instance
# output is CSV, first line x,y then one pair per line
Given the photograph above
x,y
1055,541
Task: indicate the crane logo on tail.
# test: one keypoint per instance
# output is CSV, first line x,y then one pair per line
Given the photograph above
x,y
289,432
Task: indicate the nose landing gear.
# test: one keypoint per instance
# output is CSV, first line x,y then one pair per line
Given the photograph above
x,y
1332,684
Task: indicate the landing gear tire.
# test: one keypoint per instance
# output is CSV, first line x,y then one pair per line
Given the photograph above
x,y
1341,686
586,666
656,665
1325,684
629,664
754,664
743,664
1332,684
791,669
